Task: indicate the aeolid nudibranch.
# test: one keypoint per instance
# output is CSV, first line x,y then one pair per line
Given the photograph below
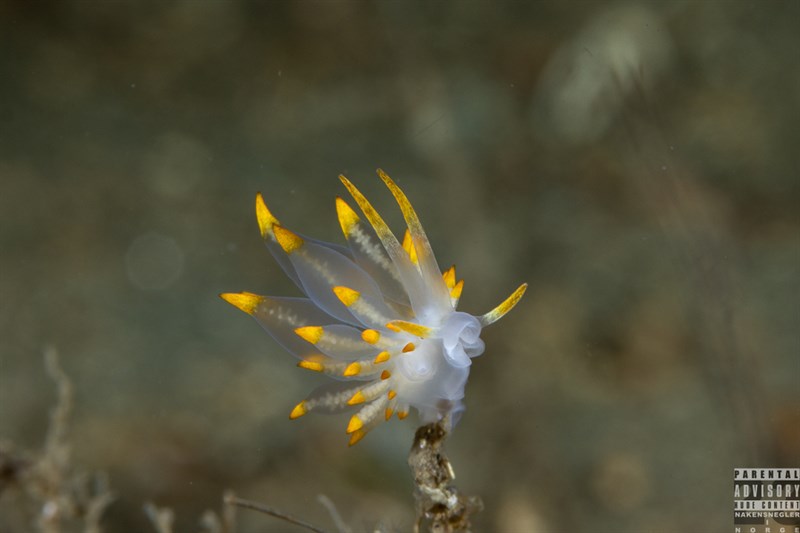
x,y
380,316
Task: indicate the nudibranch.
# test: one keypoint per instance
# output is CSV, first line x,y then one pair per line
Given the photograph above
x,y
379,317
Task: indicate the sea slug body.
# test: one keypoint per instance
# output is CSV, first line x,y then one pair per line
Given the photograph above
x,y
379,317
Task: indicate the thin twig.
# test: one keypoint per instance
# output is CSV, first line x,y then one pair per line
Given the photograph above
x,y
56,445
96,505
228,512
255,506
337,518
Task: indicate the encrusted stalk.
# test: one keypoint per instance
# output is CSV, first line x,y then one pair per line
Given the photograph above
x,y
438,503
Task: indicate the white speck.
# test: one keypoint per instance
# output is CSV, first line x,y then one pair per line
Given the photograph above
x,y
153,261
50,510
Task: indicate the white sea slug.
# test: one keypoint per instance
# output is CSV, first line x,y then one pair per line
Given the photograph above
x,y
380,317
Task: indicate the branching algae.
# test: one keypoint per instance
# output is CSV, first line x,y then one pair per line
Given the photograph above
x,y
380,317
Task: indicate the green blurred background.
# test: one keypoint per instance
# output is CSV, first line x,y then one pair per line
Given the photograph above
x,y
635,163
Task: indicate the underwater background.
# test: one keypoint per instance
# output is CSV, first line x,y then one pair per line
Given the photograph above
x,y
635,163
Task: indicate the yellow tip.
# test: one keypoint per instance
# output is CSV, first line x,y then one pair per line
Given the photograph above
x,y
346,295
455,292
381,358
402,414
413,328
409,347
347,217
378,224
357,398
353,369
449,277
355,424
508,304
386,374
370,336
408,246
299,410
246,301
392,394
311,334
288,240
356,436
389,412
265,219
311,365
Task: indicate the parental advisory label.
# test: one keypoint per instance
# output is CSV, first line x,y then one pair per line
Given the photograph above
x,y
766,500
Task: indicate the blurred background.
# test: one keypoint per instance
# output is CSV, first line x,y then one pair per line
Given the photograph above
x,y
635,163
